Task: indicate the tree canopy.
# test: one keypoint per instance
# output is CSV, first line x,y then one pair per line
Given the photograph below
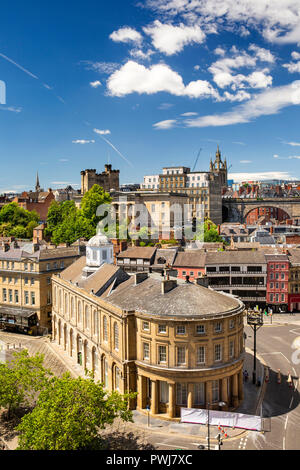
x,y
69,415
16,221
66,223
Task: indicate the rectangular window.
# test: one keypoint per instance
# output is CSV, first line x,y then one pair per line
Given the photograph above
x,y
10,295
215,391
199,394
162,354
62,265
25,266
218,327
231,324
200,329
282,297
48,266
146,326
26,297
180,355
201,355
180,330
16,296
32,298
231,349
26,280
146,351
162,328
218,352
49,297
32,281
4,295
181,394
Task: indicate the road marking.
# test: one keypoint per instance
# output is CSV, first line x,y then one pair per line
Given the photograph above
x,y
169,445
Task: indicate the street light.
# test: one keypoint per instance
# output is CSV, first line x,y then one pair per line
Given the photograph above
x,y
255,320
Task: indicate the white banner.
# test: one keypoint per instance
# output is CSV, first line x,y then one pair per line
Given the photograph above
x,y
222,418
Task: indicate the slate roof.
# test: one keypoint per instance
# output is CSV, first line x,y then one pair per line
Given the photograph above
x,y
235,257
190,260
185,300
138,252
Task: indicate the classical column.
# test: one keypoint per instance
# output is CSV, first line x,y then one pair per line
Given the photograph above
x,y
154,397
225,393
190,398
172,406
235,391
208,385
241,386
141,398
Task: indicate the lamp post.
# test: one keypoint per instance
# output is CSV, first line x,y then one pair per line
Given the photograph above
x,y
208,428
255,320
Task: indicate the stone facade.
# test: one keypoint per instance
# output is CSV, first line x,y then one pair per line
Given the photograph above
x,y
174,343
108,179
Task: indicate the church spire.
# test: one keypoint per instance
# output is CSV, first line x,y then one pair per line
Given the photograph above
x,y
37,185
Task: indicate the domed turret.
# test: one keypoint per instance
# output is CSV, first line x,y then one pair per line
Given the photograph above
x,y
99,250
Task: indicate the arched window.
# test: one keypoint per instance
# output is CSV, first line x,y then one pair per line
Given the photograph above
x,y
105,329
79,312
66,305
105,373
116,336
72,308
95,322
87,317
117,378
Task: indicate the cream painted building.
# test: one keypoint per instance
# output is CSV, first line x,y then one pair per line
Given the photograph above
x,y
26,271
176,344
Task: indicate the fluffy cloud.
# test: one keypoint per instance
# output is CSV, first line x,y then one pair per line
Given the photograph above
x,y
293,67
95,84
277,20
268,102
135,78
171,39
126,34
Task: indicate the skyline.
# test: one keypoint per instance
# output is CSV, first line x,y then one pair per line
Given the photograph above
x,y
147,86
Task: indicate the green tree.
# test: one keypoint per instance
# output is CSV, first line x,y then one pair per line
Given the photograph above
x,y
92,199
21,380
69,414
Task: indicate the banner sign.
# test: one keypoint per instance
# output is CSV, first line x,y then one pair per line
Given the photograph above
x,y
222,418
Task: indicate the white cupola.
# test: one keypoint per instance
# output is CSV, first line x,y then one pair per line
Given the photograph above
x,y
99,250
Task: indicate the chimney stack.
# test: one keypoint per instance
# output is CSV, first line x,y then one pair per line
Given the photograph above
x,y
167,286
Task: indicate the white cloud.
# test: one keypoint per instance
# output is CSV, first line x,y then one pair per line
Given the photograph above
x,y
171,39
83,142
189,114
95,84
101,67
295,55
164,106
136,78
293,144
140,54
277,20
268,175
262,54
220,51
126,34
239,96
268,102
102,131
293,67
245,161
167,124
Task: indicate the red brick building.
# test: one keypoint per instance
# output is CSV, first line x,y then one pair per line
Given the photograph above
x,y
277,295
190,264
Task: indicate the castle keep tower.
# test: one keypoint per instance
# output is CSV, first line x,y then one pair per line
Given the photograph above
x,y
108,179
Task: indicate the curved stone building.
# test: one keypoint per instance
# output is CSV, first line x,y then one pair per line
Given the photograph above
x,y
176,344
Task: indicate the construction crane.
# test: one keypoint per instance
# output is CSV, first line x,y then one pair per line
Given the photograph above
x,y
197,160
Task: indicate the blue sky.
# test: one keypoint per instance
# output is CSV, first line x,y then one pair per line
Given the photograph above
x,y
144,85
